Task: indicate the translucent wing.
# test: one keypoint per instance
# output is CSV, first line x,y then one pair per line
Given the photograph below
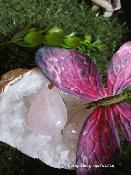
x,y
119,71
98,142
123,119
71,71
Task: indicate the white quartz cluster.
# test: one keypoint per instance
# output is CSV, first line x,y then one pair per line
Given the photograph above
x,y
41,122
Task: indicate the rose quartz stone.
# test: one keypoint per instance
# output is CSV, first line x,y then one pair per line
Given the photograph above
x,y
47,114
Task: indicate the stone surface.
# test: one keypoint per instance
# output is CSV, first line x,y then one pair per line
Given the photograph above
x,y
55,150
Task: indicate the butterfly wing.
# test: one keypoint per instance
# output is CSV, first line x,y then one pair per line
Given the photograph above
x,y
98,142
123,119
119,71
71,71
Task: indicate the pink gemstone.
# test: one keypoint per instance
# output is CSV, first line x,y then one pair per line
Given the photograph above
x,y
47,115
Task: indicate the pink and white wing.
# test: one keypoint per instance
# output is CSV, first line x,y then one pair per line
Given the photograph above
x,y
98,142
119,71
123,119
71,71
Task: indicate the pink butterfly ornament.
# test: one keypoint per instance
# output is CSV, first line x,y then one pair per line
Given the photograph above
x,y
76,73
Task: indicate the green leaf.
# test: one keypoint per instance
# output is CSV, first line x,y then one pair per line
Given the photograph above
x,y
98,44
34,38
21,33
54,35
72,42
72,34
55,29
53,38
88,39
99,47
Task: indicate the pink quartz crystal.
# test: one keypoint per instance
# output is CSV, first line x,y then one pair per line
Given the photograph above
x,y
47,114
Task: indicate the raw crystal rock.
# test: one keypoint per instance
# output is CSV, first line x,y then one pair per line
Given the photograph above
x,y
56,150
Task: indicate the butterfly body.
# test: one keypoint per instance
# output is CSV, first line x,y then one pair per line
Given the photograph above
x,y
110,100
